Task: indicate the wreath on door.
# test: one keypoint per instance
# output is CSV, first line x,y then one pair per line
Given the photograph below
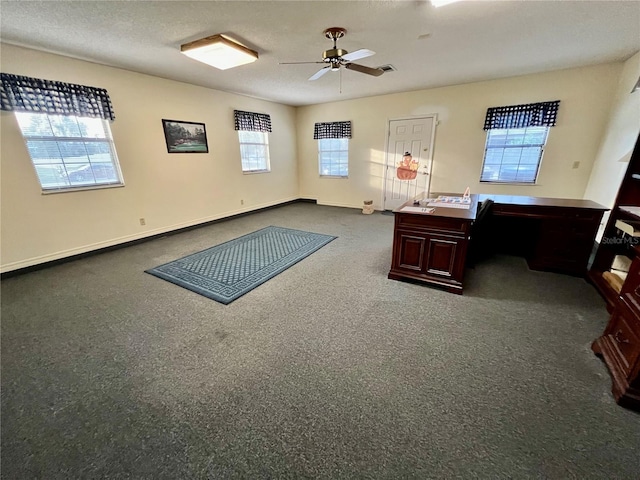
x,y
408,168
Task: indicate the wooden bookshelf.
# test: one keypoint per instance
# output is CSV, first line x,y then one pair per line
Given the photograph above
x,y
619,345
614,241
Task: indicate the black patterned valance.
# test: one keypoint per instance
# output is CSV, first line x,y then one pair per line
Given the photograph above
x,y
332,130
253,122
26,94
541,114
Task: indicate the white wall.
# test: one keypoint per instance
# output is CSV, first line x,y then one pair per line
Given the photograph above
x,y
168,190
619,139
586,95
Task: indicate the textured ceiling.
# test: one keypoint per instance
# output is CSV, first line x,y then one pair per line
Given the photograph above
x,y
430,47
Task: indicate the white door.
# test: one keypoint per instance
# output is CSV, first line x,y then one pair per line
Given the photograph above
x,y
408,176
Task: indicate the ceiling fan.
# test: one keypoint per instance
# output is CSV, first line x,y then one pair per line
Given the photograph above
x,y
335,57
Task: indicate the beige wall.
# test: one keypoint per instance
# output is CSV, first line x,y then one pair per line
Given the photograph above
x,y
169,191
620,136
178,190
585,93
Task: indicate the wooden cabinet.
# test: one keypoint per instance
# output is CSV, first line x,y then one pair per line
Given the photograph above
x,y
619,345
426,254
432,248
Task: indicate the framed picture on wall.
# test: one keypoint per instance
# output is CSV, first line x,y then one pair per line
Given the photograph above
x,y
185,137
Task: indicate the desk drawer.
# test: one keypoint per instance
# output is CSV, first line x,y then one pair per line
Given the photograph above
x,y
563,245
454,226
565,236
622,333
631,287
542,211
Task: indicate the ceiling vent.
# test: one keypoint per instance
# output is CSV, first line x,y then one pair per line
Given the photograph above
x,y
387,68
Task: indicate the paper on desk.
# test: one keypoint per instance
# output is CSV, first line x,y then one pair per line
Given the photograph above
x,y
417,209
466,206
447,199
451,202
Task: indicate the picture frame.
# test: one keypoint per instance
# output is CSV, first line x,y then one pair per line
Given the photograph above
x,y
185,137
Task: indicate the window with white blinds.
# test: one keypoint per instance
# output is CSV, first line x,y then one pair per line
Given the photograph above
x,y
513,155
70,152
516,137
254,151
333,157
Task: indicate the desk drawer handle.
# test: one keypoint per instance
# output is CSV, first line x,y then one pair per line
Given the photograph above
x,y
618,339
637,291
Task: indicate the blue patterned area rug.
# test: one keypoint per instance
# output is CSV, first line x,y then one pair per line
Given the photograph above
x,y
231,269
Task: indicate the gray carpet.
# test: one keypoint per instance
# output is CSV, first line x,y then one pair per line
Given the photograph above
x,y
327,371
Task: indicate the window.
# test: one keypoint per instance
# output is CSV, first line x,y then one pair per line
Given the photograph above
x,y
333,148
70,152
254,151
253,131
516,136
513,155
333,157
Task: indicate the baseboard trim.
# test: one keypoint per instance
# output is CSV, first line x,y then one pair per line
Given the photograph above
x,y
46,261
343,205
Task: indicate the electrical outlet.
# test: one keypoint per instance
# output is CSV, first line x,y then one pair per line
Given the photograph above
x,y
143,221
576,164
241,202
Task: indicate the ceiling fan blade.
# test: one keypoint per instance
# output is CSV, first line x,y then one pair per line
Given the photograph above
x,y
319,73
376,72
358,54
296,63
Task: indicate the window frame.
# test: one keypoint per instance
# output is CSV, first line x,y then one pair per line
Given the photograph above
x,y
265,144
340,150
64,164
504,146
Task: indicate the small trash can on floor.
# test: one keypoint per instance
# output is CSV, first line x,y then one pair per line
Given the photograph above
x,y
368,207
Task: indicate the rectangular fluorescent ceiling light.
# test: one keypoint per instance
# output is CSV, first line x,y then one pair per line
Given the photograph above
x,y
440,3
219,51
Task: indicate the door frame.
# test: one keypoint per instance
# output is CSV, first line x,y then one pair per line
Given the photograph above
x,y
435,122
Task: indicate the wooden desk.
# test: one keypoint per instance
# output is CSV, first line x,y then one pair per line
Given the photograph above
x,y
553,234
432,247
556,234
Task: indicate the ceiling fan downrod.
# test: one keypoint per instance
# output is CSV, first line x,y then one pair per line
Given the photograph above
x,y
334,33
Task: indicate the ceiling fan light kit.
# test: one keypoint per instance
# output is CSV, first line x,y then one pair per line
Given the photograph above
x,y
219,52
335,57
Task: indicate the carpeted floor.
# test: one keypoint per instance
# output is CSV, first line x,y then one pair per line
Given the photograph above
x,y
329,370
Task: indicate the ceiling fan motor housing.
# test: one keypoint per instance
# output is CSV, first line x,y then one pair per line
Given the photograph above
x,y
333,53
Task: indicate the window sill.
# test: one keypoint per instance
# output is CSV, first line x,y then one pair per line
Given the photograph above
x,y
528,184
253,172
81,189
334,176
